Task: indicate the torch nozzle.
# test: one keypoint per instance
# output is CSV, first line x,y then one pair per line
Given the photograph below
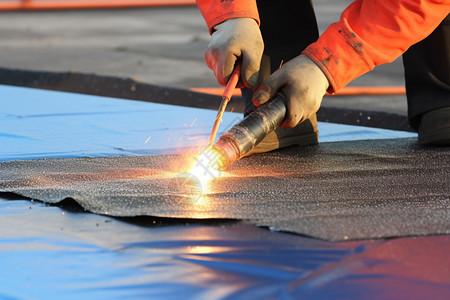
x,y
245,135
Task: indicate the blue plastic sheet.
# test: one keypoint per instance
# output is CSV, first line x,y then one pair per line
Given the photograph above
x,y
47,124
48,252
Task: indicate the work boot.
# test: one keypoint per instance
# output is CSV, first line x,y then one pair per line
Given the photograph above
x,y
304,134
434,129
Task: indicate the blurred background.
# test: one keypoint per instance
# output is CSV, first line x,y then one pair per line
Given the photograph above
x,y
158,42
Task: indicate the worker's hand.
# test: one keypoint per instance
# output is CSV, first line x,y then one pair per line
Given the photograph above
x,y
233,39
302,83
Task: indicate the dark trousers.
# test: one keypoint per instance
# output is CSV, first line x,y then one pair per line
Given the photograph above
x,y
427,73
289,26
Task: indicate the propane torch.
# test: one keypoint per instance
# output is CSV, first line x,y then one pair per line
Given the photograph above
x,y
232,145
245,135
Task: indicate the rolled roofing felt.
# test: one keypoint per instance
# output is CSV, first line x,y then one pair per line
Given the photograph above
x,y
334,191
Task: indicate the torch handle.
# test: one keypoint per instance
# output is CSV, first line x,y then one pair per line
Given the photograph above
x,y
226,96
232,82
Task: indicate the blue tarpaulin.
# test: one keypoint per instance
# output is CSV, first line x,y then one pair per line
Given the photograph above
x,y
46,124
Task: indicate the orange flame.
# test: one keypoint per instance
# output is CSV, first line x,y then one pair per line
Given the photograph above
x,y
206,167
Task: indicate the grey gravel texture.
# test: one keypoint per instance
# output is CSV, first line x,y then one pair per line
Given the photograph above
x,y
333,191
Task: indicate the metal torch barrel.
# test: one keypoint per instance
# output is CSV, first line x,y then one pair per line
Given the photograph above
x,y
245,135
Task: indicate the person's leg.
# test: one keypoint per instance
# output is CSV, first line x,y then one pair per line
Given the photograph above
x,y
427,76
287,28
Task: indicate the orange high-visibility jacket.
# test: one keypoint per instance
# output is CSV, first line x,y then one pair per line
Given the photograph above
x,y
369,32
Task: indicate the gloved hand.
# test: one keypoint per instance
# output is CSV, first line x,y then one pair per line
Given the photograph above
x,y
233,39
302,83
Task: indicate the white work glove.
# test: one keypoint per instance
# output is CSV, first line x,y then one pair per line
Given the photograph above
x,y
303,85
235,39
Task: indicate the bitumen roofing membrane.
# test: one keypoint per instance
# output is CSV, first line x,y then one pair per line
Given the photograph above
x,y
335,191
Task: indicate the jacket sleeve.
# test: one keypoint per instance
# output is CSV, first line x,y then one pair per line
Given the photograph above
x,y
371,33
217,11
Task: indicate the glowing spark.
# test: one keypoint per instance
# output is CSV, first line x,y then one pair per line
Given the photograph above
x,y
147,139
193,138
207,166
193,122
196,184
232,109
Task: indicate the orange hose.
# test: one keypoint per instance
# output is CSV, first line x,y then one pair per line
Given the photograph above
x,y
214,91
347,91
67,4
371,90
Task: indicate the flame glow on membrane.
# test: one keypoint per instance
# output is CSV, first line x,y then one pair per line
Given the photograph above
x,y
196,184
206,166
